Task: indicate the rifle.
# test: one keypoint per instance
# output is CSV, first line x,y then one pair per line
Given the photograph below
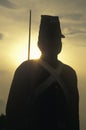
x,y
29,35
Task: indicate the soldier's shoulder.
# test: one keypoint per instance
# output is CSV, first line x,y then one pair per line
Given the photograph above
x,y
27,65
68,70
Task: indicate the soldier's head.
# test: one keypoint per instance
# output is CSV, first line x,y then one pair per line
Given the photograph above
x,y
49,39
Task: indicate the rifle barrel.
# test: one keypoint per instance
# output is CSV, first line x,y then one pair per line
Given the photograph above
x,y
29,36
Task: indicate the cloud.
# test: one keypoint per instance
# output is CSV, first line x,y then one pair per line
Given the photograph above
x,y
70,31
74,24
7,4
1,36
76,37
74,16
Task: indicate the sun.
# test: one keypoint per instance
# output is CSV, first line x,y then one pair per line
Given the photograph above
x,y
35,52
19,53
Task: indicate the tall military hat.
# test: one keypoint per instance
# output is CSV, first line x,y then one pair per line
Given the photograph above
x,y
49,29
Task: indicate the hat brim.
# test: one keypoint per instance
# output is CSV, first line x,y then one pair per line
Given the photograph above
x,y
62,36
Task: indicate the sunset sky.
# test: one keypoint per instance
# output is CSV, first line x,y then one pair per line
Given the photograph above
x,y
14,24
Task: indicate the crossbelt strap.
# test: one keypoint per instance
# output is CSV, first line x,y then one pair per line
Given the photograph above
x,y
44,85
55,75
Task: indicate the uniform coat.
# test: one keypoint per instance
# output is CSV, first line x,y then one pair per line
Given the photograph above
x,y
50,109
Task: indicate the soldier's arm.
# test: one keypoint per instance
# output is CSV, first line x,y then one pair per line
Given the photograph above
x,y
70,78
17,97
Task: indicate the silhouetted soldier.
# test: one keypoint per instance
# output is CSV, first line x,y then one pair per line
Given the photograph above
x,y
44,93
